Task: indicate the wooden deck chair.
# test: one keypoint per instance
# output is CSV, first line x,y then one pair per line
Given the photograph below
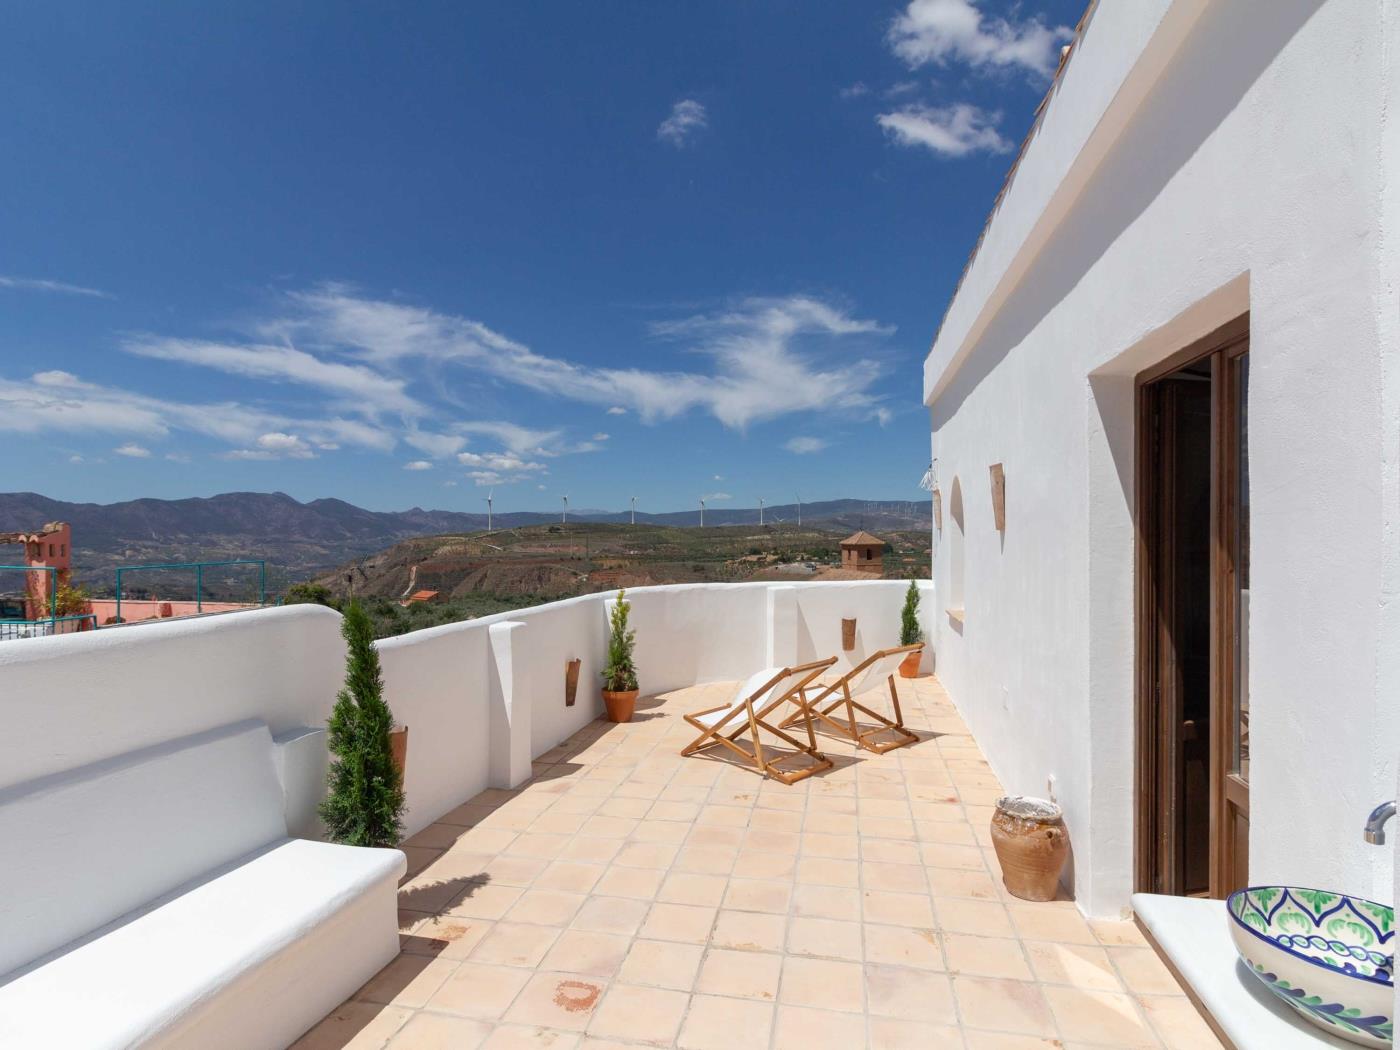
x,y
865,675
747,712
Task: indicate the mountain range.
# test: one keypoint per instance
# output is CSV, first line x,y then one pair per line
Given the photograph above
x,y
301,539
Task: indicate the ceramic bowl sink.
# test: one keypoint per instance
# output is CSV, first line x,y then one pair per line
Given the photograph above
x,y
1327,955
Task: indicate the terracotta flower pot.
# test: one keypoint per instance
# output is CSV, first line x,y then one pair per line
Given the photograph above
x,y
398,747
1032,844
620,705
909,666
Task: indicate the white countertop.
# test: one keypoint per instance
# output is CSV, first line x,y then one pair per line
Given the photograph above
x,y
1194,935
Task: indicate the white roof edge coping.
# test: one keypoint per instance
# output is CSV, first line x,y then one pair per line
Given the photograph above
x,y
1194,936
1119,58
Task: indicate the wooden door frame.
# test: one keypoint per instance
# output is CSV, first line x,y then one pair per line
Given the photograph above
x,y
1155,742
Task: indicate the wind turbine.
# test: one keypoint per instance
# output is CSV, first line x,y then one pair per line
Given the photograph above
x,y
799,510
634,510
489,493
760,511
565,519
702,513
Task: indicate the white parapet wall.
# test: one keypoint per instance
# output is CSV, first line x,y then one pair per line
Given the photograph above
x,y
480,698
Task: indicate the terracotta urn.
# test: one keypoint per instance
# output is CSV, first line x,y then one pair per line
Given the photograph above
x,y
909,666
1032,844
620,705
398,747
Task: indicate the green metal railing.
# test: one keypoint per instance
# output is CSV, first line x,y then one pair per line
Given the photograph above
x,y
12,629
198,567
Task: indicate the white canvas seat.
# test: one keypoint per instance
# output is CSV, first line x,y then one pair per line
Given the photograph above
x,y
755,698
161,903
878,667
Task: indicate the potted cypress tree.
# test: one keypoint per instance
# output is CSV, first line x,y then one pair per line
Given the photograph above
x,y
620,672
909,631
364,804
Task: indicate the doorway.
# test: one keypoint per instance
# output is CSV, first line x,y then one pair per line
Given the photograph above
x,y
1193,608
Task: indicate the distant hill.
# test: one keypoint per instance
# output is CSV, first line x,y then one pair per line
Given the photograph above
x,y
301,539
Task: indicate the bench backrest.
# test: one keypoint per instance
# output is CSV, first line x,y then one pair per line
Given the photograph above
x,y
84,847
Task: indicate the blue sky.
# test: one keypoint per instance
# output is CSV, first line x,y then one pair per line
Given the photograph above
x,y
409,254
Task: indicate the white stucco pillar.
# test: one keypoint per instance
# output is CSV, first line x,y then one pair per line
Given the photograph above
x,y
510,707
781,647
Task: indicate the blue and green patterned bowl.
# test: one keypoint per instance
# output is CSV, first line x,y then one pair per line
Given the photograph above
x,y
1327,955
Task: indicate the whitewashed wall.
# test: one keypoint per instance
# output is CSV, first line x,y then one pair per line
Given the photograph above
x,y
1200,158
480,698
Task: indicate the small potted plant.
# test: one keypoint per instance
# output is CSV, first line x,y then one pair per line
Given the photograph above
x,y
620,672
364,803
909,631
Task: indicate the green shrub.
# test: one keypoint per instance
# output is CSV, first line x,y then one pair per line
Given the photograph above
x,y
909,618
620,672
364,804
309,594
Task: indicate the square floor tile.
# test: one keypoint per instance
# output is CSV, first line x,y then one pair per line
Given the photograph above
x,y
633,1012
822,983
714,1023
664,964
746,975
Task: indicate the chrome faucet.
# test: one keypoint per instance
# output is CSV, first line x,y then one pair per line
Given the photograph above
x,y
1375,823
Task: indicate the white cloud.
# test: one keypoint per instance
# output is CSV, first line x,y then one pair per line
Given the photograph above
x,y
177,457
804,445
953,131
499,468
418,464
931,32
75,458
34,284
855,90
617,410
600,436
718,477
434,444
687,119
274,445
133,450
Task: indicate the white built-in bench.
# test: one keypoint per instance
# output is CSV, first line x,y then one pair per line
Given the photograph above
x,y
155,899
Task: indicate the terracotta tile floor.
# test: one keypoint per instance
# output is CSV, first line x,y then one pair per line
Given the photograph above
x,y
627,896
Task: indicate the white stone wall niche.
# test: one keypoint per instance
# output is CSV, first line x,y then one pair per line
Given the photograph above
x,y
302,759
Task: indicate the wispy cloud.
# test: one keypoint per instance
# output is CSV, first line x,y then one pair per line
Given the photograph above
x,y
952,131
856,90
58,401
418,464
35,284
376,371
933,32
771,356
805,445
716,497
360,387
133,450
687,119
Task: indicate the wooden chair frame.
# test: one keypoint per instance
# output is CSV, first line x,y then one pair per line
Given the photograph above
x,y
841,691
751,721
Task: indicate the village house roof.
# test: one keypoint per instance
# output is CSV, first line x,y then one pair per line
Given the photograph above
x,y
862,539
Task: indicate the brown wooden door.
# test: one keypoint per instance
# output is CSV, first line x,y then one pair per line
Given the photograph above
x,y
1230,633
1193,614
